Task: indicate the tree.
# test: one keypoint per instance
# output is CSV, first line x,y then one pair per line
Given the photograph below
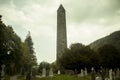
x,y
53,65
79,56
13,52
42,65
3,41
10,48
109,56
29,43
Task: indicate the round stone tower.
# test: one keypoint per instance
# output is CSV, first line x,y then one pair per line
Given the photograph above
x,y
61,33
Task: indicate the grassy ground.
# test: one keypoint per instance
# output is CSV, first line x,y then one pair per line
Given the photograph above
x,y
60,77
7,77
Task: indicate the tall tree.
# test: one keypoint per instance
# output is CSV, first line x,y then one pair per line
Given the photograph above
x,y
13,52
10,47
29,43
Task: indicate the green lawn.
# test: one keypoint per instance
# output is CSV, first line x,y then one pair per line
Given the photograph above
x,y
61,77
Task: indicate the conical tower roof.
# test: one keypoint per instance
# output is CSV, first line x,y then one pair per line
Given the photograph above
x,y
61,8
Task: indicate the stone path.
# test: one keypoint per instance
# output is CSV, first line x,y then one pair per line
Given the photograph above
x,y
13,77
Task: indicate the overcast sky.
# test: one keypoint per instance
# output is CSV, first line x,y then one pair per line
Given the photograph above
x,y
87,21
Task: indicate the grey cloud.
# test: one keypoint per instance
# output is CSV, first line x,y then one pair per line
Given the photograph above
x,y
5,1
86,9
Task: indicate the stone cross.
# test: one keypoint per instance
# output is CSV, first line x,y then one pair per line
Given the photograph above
x,y
110,74
51,72
44,72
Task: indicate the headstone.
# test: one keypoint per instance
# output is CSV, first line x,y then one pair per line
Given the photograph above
x,y
113,75
98,78
51,72
110,74
107,78
2,72
58,72
44,72
103,73
82,73
107,72
76,71
92,74
117,73
86,72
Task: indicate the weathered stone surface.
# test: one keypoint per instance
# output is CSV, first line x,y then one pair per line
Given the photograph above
x,y
44,72
61,33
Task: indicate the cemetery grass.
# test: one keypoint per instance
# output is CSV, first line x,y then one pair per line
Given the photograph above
x,y
60,77
7,77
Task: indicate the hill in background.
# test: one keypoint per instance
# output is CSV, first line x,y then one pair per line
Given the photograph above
x,y
113,39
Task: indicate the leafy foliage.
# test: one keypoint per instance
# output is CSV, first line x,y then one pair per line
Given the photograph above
x,y
110,56
13,52
79,56
29,44
42,65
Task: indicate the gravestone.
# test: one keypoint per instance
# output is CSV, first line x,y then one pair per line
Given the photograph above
x,y
110,74
117,73
107,72
92,74
98,78
51,72
82,73
76,71
86,72
103,73
113,75
58,72
107,78
44,72
3,72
